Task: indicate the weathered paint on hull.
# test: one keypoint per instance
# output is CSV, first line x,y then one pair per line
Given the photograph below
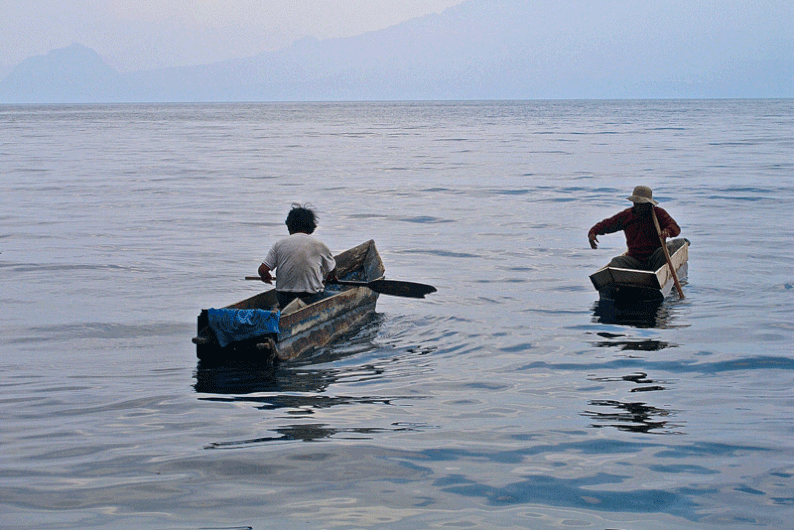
x,y
638,285
328,320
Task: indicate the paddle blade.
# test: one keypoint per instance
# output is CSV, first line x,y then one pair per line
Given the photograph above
x,y
389,287
398,288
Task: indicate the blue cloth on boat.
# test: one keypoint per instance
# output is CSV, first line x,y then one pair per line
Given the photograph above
x,y
231,325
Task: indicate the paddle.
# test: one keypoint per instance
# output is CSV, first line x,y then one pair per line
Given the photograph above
x,y
667,254
388,287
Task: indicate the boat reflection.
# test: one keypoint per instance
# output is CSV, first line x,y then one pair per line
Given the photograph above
x,y
242,378
639,378
306,433
300,389
654,314
635,417
617,340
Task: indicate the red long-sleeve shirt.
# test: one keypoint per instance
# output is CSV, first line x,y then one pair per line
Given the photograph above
x,y
641,236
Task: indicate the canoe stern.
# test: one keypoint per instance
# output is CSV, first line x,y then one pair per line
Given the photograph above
x,y
632,284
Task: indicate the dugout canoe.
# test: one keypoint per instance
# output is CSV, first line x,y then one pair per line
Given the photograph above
x,y
631,285
301,327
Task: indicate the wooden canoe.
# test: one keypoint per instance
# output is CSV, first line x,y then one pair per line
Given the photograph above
x,y
301,327
633,285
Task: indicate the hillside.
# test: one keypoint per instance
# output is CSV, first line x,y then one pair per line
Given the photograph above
x,y
481,49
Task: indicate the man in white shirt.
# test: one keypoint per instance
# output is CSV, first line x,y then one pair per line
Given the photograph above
x,y
303,262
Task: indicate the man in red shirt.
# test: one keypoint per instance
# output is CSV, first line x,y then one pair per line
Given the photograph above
x,y
645,249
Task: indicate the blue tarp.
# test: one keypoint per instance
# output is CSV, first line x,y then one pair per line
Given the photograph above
x,y
232,325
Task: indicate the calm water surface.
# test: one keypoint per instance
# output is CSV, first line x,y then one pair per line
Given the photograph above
x,y
511,398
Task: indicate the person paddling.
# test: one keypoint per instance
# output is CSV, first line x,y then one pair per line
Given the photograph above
x,y
644,246
302,261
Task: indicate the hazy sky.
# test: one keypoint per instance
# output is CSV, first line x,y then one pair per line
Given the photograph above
x,y
141,34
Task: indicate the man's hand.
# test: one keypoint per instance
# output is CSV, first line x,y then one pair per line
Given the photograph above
x,y
593,240
664,234
264,273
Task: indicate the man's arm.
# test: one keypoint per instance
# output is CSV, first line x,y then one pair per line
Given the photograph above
x,y
669,228
328,263
607,226
264,273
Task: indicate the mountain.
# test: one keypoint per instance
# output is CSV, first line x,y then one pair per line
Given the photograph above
x,y
74,74
5,70
480,49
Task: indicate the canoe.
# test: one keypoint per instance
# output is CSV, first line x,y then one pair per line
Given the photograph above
x,y
301,328
633,285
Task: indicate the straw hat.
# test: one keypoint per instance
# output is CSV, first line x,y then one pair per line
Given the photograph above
x,y
642,194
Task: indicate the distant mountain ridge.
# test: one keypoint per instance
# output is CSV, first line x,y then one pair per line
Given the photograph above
x,y
480,49
71,74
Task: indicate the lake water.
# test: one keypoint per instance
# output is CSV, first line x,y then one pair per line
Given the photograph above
x,y
511,398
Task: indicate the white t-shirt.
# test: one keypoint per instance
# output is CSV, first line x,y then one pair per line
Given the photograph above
x,y
302,263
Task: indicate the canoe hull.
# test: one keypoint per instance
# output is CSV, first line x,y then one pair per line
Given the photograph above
x,y
309,326
324,321
639,285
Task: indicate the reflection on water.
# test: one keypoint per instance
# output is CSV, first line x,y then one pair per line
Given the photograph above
x,y
631,345
641,378
633,416
301,388
311,433
639,314
637,417
303,404
301,393
242,378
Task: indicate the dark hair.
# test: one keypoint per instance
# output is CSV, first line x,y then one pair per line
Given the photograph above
x,y
301,219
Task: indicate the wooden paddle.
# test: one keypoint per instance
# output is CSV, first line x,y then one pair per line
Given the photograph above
x,y
388,287
667,254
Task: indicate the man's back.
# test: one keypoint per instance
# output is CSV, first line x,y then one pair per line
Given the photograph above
x,y
302,262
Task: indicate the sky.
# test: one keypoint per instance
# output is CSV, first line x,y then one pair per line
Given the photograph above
x,y
477,49
146,34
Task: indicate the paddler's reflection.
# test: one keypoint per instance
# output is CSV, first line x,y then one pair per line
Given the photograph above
x,y
300,389
281,381
306,433
639,315
246,378
635,417
615,340
243,379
